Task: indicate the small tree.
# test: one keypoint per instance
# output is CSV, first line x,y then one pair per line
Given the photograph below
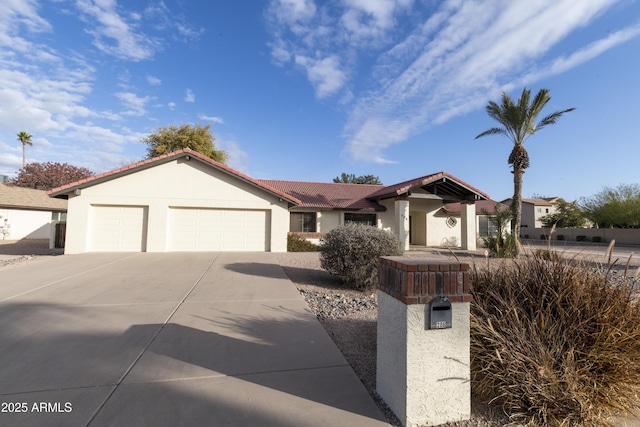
x,y
45,176
352,253
567,215
352,179
614,207
166,140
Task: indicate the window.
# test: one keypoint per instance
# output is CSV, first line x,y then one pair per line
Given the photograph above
x,y
546,210
359,218
58,216
304,222
487,227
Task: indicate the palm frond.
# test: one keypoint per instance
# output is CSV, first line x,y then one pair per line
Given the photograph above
x,y
552,118
491,131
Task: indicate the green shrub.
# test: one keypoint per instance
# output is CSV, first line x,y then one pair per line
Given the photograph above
x,y
296,243
554,342
501,246
352,253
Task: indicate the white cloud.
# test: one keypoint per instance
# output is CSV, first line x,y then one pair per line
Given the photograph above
x,y
212,119
171,105
463,55
323,39
135,103
113,35
153,81
189,96
458,55
325,74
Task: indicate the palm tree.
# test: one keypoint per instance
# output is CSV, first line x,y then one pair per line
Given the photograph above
x,y
25,138
518,124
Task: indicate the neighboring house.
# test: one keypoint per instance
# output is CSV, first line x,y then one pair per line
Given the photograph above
x,y
533,210
484,214
184,201
26,213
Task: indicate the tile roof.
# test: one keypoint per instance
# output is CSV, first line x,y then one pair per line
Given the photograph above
x,y
15,197
448,182
481,206
96,179
329,195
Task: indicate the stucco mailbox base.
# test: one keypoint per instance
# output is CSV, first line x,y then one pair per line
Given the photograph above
x,y
423,374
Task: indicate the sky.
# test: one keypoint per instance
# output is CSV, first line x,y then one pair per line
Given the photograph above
x,y
307,89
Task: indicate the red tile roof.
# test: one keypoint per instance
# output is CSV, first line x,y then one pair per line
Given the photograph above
x,y
96,179
329,195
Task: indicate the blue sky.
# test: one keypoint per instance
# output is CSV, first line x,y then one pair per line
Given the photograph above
x,y
306,89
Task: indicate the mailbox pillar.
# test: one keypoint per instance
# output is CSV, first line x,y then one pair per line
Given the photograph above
x,y
423,374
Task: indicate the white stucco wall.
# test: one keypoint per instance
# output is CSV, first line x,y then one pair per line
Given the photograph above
x,y
25,224
328,220
423,374
179,183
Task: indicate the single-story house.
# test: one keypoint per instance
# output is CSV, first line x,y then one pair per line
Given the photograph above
x,y
184,201
26,213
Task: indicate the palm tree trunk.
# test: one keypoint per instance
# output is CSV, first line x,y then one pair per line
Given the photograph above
x,y
516,206
24,155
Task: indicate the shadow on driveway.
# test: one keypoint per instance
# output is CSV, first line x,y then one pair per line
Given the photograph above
x,y
28,247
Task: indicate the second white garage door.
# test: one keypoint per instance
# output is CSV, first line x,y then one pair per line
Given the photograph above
x,y
218,230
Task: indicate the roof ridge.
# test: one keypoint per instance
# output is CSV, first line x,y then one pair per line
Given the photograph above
x,y
317,182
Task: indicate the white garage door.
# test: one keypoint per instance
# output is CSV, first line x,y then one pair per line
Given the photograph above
x,y
218,230
118,229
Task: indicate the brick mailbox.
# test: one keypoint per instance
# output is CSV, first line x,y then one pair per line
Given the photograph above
x,y
423,356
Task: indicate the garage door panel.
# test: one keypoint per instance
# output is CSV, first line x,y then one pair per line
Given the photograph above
x,y
194,229
118,228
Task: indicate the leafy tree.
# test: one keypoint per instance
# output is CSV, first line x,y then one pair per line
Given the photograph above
x,y
614,207
166,140
518,124
352,179
567,215
25,139
45,176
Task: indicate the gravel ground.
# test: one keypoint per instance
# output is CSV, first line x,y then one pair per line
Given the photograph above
x,y
17,252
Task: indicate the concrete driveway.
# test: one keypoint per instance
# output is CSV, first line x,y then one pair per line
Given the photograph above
x,y
192,339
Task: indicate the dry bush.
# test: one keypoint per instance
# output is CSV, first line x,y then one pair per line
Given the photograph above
x,y
555,342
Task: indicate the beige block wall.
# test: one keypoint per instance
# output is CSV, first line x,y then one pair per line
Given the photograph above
x,y
179,183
